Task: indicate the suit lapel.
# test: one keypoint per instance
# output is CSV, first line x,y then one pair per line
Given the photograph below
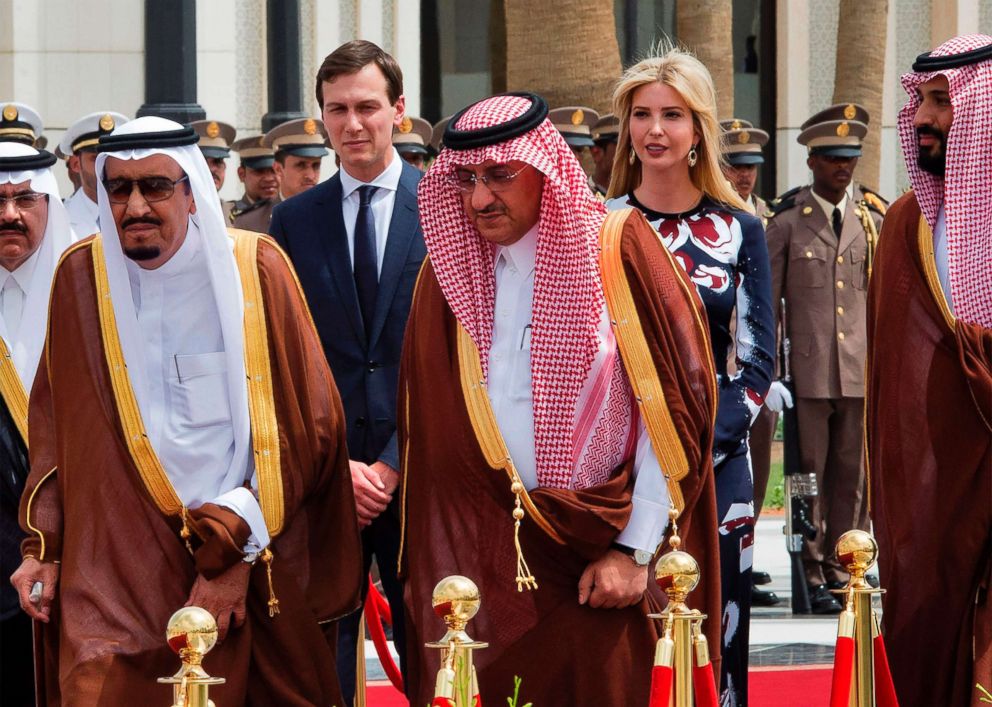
x,y
852,227
402,228
334,241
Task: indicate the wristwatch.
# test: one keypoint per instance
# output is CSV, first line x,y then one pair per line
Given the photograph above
x,y
641,558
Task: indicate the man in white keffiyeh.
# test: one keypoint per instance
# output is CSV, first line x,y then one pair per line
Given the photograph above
x,y
511,315
187,448
929,383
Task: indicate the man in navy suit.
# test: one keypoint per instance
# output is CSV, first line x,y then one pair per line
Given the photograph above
x,y
356,243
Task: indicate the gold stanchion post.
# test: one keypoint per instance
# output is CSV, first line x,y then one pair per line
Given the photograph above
x,y
677,573
857,552
456,600
191,633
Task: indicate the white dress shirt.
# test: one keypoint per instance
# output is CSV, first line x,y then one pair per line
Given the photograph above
x,y
940,256
511,394
13,292
828,208
382,204
84,214
189,422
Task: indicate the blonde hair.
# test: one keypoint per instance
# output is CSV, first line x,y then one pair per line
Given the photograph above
x,y
683,72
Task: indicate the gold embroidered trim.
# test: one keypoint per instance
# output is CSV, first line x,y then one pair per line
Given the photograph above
x,y
480,412
13,392
27,514
258,369
637,357
139,446
925,237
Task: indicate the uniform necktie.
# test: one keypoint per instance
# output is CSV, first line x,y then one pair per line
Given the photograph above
x,y
13,303
366,262
838,221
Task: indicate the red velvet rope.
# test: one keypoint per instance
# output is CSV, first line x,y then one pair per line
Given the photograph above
x,y
704,685
885,691
377,611
840,688
442,702
661,686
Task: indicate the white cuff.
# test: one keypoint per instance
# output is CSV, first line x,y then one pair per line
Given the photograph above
x,y
647,525
243,502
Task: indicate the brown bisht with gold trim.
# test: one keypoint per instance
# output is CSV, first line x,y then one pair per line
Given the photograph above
x,y
457,496
929,449
98,502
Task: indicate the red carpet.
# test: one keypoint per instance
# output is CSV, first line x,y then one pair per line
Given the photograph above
x,y
806,686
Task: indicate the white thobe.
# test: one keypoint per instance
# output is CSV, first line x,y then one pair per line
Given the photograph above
x,y
13,293
940,256
189,417
511,393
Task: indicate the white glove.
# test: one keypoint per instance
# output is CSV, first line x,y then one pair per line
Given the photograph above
x,y
778,397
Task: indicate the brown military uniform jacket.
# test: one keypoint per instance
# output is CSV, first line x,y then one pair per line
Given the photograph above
x,y
824,281
253,216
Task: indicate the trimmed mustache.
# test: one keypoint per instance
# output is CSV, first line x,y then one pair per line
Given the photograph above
x,y
931,131
14,226
127,223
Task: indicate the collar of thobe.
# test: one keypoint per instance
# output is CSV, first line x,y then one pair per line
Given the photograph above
x,y
22,274
389,178
827,207
176,265
36,281
521,254
217,252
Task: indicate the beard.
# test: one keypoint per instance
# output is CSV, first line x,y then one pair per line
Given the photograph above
x,y
143,252
932,159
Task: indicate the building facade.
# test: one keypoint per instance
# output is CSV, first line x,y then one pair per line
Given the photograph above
x,y
66,58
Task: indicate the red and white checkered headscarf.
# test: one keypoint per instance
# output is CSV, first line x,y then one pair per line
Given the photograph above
x,y
583,412
966,189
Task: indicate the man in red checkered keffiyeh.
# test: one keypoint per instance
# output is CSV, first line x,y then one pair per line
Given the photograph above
x,y
526,451
929,383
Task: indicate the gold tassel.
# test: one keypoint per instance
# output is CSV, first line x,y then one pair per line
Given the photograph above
x,y
273,602
185,532
525,580
675,541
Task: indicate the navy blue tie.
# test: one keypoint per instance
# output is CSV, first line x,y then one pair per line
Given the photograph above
x,y
366,262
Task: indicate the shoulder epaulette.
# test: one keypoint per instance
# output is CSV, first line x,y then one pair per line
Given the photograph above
x,y
783,203
873,200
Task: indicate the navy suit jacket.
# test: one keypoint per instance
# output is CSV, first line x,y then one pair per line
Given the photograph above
x,y
310,228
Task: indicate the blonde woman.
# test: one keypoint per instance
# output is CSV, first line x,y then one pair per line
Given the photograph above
x,y
667,165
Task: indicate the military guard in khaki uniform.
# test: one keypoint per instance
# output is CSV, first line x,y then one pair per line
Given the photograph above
x,y
575,125
253,211
215,143
299,147
821,239
741,147
742,150
605,134
412,140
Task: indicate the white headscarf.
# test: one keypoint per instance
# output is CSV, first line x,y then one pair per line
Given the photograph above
x,y
224,279
26,350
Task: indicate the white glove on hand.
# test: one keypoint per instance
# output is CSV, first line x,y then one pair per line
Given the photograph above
x,y
778,397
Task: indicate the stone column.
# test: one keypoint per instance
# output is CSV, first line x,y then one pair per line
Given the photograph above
x,y
170,61
283,50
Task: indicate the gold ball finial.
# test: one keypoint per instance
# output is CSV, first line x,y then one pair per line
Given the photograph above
x,y
192,632
456,599
677,574
857,551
